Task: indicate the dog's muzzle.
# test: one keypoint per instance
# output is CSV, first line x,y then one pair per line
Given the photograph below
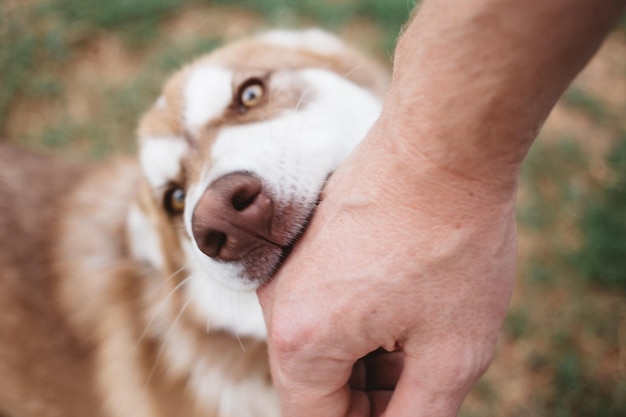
x,y
233,218
236,220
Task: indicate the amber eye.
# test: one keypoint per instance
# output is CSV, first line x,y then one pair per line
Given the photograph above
x,y
175,200
251,93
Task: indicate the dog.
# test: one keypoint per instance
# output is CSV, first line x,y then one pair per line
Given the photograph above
x,y
127,287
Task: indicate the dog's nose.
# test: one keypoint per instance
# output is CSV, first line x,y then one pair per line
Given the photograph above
x,y
233,217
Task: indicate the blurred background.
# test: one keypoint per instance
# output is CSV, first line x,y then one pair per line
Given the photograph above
x,y
75,75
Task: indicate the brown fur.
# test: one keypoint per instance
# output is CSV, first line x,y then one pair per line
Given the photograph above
x,y
247,54
40,355
69,345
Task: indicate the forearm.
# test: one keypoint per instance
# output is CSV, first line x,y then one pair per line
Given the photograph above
x,y
473,81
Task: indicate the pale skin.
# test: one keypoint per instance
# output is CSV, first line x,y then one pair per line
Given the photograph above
x,y
413,248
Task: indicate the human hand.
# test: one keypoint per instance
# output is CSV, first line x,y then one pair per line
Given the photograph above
x,y
415,260
412,249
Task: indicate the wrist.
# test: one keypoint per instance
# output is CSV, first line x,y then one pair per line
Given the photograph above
x,y
425,161
386,173
473,83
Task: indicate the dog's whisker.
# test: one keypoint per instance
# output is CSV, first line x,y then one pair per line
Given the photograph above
x,y
167,279
296,108
301,98
217,294
167,335
238,336
163,302
353,70
236,332
195,294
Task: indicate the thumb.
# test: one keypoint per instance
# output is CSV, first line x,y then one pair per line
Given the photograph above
x,y
436,381
415,399
316,388
309,379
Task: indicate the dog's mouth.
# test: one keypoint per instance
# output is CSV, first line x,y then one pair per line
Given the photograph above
x,y
264,262
286,250
239,221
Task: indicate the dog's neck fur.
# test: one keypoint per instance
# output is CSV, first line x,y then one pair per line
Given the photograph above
x,y
38,352
169,356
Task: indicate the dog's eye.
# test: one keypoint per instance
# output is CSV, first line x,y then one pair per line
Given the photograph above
x,y
175,200
251,93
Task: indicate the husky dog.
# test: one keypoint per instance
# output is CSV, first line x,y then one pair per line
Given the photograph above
x,y
127,288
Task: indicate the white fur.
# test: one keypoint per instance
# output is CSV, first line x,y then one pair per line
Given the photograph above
x,y
144,241
224,308
161,102
160,159
260,399
250,397
306,146
292,153
207,94
314,40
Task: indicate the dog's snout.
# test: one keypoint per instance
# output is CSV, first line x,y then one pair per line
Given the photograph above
x,y
233,217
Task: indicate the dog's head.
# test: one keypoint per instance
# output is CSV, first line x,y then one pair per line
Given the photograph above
x,y
236,151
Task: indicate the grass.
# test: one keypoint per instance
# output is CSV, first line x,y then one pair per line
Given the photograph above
x,y
31,49
136,20
564,326
602,255
574,276
577,393
587,103
517,324
38,43
389,15
112,130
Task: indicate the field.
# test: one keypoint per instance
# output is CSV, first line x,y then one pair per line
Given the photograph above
x,y
75,75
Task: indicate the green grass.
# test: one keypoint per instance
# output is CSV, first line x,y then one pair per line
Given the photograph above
x,y
577,393
561,189
136,20
587,103
31,49
36,44
389,15
602,257
113,129
517,324
578,225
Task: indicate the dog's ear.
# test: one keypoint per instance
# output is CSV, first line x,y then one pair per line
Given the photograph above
x,y
338,56
162,138
316,41
164,118
162,147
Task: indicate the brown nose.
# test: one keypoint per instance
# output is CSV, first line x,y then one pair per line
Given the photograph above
x,y
233,217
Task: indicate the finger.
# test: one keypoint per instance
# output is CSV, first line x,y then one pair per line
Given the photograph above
x,y
310,381
414,396
312,389
383,370
358,379
360,404
379,401
369,404
379,370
